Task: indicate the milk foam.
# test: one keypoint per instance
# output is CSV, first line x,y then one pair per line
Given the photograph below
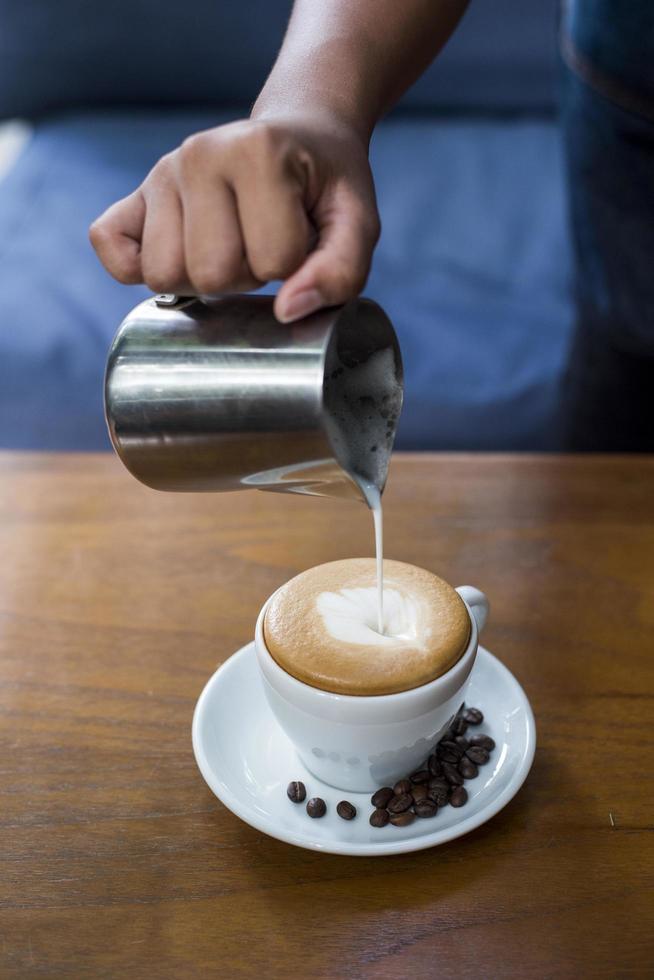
x,y
350,616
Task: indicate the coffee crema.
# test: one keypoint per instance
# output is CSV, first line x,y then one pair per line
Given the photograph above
x,y
322,627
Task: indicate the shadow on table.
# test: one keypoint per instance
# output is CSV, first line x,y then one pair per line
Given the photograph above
x,y
333,910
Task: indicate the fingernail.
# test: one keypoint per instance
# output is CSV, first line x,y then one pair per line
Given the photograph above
x,y
301,305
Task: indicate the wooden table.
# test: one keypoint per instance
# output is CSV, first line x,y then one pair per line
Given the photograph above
x,y
117,603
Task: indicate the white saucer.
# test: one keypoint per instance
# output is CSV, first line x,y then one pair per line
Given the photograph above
x,y
248,762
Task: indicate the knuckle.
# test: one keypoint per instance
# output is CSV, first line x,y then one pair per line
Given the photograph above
x,y
280,266
120,266
126,274
99,235
268,273
193,151
265,271
163,279
161,173
212,278
266,137
205,283
157,283
265,144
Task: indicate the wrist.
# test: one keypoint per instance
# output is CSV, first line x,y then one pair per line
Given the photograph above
x,y
298,96
313,116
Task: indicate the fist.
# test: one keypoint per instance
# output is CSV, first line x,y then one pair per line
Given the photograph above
x,y
240,205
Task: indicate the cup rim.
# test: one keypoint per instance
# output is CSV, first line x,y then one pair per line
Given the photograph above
x,y
423,690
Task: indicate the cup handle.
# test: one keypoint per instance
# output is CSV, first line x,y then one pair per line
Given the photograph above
x,y
479,605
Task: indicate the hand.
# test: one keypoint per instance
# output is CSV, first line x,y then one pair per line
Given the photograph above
x,y
242,204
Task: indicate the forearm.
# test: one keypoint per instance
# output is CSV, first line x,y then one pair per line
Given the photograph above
x,y
352,59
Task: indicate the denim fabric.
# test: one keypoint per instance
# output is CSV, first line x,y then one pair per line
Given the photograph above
x,y
608,124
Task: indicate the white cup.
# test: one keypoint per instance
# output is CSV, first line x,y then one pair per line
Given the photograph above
x,y
359,743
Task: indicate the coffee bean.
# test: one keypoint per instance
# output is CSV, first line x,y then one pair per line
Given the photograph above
x,y
458,796
440,796
439,791
451,746
346,810
296,792
381,797
452,774
402,819
439,782
316,807
449,752
426,808
467,768
379,817
485,741
459,725
455,758
398,804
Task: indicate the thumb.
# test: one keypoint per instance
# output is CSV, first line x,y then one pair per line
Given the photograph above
x,y
337,269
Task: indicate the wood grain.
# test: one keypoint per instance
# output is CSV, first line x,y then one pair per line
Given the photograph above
x,y
117,603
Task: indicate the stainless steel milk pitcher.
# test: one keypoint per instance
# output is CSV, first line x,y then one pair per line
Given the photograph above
x,y
221,396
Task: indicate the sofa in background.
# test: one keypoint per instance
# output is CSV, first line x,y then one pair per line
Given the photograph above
x,y
473,266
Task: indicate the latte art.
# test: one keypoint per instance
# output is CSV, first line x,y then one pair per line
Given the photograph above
x,y
322,627
351,616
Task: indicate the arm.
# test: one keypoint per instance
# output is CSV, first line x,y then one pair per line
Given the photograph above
x,y
287,194
353,59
